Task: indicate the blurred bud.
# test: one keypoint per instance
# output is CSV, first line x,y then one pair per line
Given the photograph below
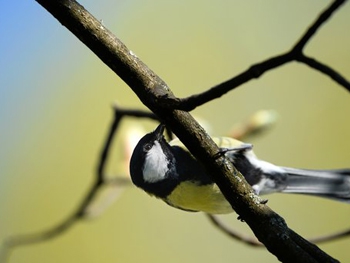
x,y
133,134
258,122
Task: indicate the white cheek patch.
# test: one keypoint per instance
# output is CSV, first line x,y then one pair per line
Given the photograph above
x,y
156,164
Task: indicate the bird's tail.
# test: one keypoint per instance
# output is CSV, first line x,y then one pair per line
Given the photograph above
x,y
334,184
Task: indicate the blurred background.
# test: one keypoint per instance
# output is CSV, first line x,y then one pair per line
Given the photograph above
x,y
56,101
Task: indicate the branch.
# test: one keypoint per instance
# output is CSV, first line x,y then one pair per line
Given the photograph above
x,y
270,228
255,71
313,63
323,17
252,241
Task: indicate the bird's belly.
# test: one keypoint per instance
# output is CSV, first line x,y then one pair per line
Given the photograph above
x,y
206,198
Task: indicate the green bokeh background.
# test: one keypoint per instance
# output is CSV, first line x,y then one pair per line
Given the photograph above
x,y
55,107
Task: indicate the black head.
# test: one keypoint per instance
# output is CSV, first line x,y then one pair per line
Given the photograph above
x,y
152,164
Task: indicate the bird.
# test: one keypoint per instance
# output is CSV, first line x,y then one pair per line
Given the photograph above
x,y
168,171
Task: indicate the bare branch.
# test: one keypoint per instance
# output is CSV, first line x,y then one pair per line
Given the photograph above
x,y
134,113
313,63
255,71
330,237
323,17
252,241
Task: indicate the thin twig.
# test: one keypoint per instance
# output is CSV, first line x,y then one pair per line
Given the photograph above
x,y
322,18
106,146
252,241
255,71
313,63
331,237
134,113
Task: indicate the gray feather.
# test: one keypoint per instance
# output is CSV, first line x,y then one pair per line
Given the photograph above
x,y
325,183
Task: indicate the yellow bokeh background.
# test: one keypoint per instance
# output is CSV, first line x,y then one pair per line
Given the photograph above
x,y
56,105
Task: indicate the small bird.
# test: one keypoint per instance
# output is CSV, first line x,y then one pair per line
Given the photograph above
x,y
170,172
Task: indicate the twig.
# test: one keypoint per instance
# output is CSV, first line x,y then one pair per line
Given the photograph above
x,y
323,17
255,71
313,63
134,113
252,241
330,237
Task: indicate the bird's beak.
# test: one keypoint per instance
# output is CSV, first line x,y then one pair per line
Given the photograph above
x,y
159,131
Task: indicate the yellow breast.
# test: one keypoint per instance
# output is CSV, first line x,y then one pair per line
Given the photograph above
x,y
206,198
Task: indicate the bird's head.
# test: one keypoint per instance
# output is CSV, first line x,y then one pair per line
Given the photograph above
x,y
152,164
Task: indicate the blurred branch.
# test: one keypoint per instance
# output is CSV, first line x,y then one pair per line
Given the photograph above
x,y
331,237
252,241
82,211
248,240
255,71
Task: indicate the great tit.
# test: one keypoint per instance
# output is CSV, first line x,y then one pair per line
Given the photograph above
x,y
168,171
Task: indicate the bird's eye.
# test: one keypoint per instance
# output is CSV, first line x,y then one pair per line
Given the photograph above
x,y
147,147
